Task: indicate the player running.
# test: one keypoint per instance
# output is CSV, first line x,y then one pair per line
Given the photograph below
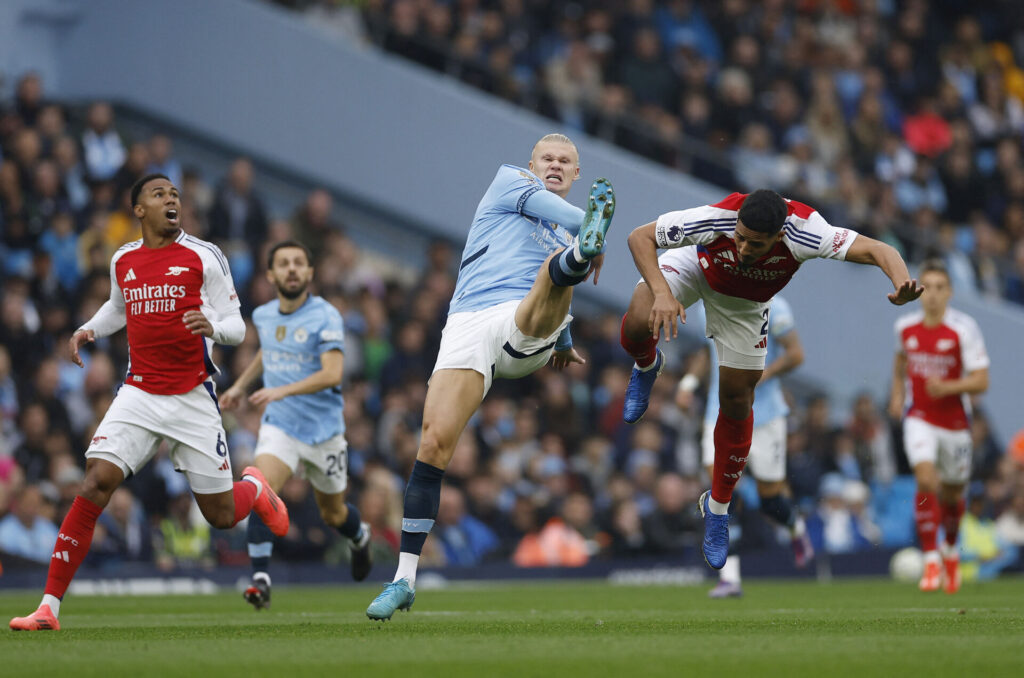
x,y
735,255
300,359
175,295
509,315
940,351
767,457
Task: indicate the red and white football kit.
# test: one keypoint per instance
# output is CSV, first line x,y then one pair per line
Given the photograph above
x,y
937,430
737,299
168,392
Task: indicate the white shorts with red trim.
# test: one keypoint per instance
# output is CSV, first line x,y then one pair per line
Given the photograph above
x,y
738,326
190,422
949,449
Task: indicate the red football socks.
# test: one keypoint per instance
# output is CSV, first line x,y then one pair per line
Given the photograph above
x,y
245,498
951,515
732,445
926,515
643,351
72,545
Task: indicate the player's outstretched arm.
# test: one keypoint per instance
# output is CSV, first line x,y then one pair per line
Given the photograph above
x,y
328,376
546,205
644,248
865,250
898,390
233,396
109,318
792,356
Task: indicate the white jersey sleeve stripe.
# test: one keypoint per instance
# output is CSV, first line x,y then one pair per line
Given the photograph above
x,y
802,237
213,248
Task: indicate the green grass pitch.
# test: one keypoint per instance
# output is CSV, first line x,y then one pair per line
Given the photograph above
x,y
862,628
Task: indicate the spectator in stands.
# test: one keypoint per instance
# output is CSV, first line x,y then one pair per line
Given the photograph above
x,y
122,534
237,214
464,540
984,553
839,525
671,526
27,531
182,541
314,223
104,151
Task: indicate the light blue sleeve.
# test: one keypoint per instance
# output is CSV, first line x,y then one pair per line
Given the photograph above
x,y
511,188
782,320
332,334
546,205
564,341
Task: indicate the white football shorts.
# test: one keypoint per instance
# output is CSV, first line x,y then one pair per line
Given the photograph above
x,y
325,464
190,422
950,450
489,342
738,326
767,458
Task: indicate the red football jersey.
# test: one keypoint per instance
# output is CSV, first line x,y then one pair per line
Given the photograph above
x,y
153,288
947,351
805,235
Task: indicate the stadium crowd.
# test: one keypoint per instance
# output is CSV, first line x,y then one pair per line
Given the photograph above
x,y
902,119
547,473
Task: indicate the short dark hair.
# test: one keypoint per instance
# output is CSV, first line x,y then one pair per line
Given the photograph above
x,y
934,265
764,211
141,183
284,244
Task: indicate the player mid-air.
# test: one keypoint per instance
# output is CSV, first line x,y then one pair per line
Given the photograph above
x,y
509,315
301,361
175,295
941,353
767,459
734,255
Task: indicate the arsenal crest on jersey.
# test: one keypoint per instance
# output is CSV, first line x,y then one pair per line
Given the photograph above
x,y
281,332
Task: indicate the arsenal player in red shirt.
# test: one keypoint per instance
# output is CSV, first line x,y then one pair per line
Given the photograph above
x,y
175,295
940,355
735,256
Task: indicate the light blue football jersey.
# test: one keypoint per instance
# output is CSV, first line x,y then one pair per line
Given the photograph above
x,y
769,402
292,344
505,247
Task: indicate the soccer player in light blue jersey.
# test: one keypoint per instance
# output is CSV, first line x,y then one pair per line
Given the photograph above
x,y
767,459
509,316
301,360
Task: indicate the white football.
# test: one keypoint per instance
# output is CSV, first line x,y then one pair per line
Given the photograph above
x,y
907,564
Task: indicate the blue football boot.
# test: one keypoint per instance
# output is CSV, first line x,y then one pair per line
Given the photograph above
x,y
397,595
716,534
600,208
638,392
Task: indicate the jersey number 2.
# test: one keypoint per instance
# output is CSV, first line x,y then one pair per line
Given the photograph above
x,y
764,327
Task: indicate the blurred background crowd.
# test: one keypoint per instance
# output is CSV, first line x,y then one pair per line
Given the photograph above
x,y
899,119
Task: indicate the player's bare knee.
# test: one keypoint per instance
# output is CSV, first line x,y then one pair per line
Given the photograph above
x,y
433,450
927,478
220,518
766,490
736,405
99,483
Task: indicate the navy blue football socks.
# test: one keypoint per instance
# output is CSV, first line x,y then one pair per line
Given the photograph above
x,y
779,509
422,497
566,269
351,528
261,543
